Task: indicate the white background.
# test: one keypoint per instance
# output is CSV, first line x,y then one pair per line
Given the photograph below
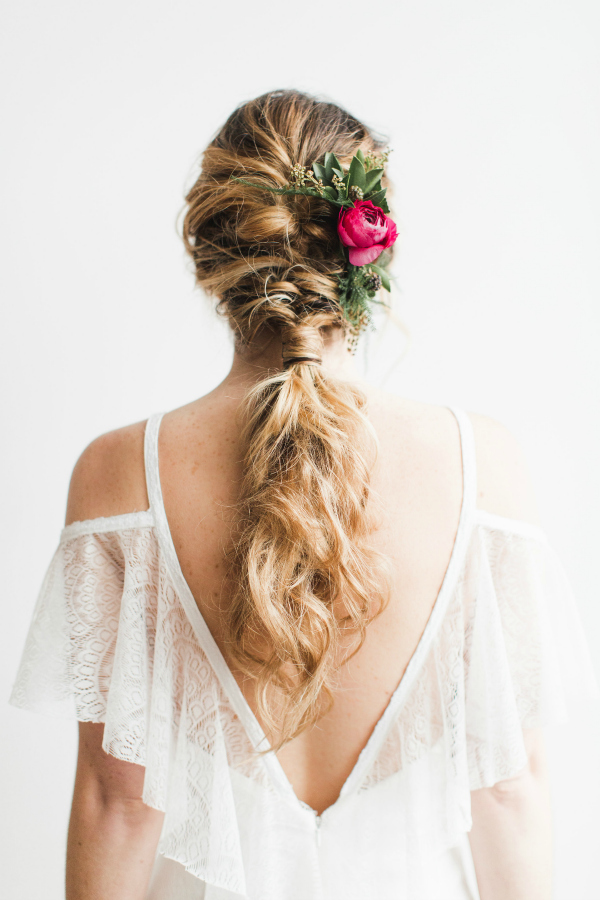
x,y
493,111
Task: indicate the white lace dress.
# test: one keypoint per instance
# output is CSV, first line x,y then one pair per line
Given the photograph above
x,y
117,637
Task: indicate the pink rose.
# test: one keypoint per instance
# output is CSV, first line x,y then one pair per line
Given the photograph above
x,y
366,230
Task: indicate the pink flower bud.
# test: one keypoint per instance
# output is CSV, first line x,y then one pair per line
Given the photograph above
x,y
366,230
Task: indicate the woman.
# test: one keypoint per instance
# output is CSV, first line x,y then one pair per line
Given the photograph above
x,y
310,630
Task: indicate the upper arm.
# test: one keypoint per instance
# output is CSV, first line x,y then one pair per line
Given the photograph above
x,y
108,779
536,767
504,484
109,478
504,487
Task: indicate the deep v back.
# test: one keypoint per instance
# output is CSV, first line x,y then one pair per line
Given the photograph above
x,y
118,638
211,648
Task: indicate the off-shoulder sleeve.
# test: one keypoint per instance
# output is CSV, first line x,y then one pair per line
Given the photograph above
x,y
88,650
110,642
527,662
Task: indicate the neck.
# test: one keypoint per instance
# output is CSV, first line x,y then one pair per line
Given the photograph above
x,y
251,365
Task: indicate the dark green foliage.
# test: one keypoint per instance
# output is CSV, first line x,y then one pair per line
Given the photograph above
x,y
357,177
359,284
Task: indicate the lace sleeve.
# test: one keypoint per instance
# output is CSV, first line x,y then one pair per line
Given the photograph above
x,y
527,662
78,652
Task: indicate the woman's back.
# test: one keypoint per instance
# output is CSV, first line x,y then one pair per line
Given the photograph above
x,y
418,488
471,655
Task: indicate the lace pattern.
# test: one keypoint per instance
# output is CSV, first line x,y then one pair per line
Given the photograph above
x,y
111,642
116,637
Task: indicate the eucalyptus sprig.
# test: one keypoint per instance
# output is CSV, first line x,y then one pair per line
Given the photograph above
x,y
328,181
358,289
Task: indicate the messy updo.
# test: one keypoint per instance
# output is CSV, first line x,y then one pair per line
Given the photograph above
x,y
303,571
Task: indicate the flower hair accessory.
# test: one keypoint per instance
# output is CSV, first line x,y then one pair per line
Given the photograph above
x,y
364,229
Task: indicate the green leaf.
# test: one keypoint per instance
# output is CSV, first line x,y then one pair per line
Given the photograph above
x,y
378,199
373,179
329,157
336,164
357,176
330,193
361,156
320,172
385,278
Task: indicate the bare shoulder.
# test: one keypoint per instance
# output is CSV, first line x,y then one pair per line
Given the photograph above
x,y
419,450
504,485
108,478
426,426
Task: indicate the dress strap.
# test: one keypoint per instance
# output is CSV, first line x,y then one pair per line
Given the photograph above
x,y
151,462
203,634
469,461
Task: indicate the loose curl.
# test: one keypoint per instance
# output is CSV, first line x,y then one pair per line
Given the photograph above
x,y
304,574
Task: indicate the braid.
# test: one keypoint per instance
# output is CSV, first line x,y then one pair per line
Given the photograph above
x,y
304,572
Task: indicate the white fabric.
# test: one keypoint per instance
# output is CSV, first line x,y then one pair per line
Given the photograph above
x,y
117,637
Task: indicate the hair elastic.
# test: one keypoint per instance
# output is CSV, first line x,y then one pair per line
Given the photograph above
x,y
292,360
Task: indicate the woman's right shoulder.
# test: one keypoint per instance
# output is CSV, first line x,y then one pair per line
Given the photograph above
x,y
108,478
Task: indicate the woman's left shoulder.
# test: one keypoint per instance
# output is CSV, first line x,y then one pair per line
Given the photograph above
x,y
504,482
108,478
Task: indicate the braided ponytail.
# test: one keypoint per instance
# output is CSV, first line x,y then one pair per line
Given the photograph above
x,y
306,579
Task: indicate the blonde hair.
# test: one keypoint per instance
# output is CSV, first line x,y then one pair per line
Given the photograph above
x,y
303,571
